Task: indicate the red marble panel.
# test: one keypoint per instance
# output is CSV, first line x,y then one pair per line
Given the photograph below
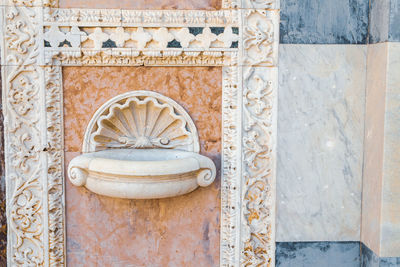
x,y
180,231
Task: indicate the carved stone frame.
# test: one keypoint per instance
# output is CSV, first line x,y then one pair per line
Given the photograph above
x,y
33,124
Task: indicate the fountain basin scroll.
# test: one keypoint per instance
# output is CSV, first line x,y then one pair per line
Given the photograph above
x,y
141,145
141,173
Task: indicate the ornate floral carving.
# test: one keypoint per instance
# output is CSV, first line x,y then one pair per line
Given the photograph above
x,y
23,138
260,37
258,194
142,38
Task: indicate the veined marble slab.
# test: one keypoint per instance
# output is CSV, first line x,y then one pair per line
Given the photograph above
x,y
320,142
390,218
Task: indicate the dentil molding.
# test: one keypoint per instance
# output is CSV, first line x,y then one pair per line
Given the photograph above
x,y
38,39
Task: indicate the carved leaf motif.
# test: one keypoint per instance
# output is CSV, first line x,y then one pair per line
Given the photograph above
x,y
255,36
260,37
18,36
258,162
24,166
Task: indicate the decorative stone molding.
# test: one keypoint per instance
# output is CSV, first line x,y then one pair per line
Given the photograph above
x,y
25,161
141,45
127,57
32,102
55,165
231,165
135,18
189,38
258,165
260,37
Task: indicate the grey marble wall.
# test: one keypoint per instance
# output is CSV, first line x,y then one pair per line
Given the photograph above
x,y
318,254
384,21
370,259
324,21
394,28
320,142
379,21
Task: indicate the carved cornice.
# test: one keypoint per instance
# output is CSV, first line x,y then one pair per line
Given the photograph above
x,y
121,57
135,18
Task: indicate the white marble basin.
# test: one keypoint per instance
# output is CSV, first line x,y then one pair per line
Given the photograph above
x,y
141,173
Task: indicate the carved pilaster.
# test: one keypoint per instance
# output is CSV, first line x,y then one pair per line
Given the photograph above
x,y
258,169
25,158
258,64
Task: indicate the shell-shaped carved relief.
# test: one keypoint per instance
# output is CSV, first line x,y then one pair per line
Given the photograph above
x,y
141,119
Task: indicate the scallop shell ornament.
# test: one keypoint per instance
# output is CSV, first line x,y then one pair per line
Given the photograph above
x,y
141,119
